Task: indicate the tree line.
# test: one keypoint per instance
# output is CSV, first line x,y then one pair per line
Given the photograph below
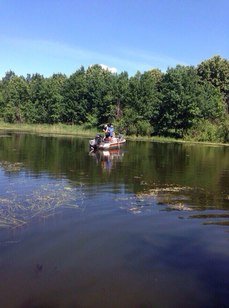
x,y
184,102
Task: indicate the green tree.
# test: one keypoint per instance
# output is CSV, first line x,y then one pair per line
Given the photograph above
x,y
144,95
38,109
216,71
100,94
15,96
210,101
1,99
74,98
127,124
179,108
8,76
54,103
185,100
120,93
3,86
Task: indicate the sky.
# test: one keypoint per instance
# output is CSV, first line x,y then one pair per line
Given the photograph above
x,y
60,36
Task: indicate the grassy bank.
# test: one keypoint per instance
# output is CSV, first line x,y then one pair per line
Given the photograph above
x,y
56,129
168,139
77,130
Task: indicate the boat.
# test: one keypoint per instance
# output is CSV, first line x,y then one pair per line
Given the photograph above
x,y
101,143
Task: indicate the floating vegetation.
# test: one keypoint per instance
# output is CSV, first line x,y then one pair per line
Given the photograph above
x,y
218,223
171,196
135,204
215,216
206,216
184,198
41,202
167,189
175,198
179,207
11,167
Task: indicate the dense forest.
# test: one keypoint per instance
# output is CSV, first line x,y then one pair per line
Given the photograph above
x,y
184,102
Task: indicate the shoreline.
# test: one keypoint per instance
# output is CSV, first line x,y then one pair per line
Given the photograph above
x,y
77,130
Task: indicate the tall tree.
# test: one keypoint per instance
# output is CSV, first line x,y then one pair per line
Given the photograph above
x,y
144,94
74,98
179,107
15,96
39,99
210,102
120,93
216,71
186,100
99,94
55,105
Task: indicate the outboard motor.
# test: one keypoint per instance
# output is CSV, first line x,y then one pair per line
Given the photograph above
x,y
94,144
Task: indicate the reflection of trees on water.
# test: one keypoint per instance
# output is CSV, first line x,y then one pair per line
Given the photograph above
x,y
145,165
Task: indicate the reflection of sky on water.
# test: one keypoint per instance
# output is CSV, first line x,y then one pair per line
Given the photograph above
x,y
138,237
104,251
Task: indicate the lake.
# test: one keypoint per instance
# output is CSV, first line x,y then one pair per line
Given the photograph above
x,y
143,226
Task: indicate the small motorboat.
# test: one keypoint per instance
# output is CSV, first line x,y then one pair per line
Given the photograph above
x,y
101,143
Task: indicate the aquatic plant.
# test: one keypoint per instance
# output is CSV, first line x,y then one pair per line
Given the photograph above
x,y
43,201
171,197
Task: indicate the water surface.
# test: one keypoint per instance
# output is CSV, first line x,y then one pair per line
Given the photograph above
x,y
145,226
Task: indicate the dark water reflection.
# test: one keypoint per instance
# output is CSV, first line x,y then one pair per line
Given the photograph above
x,y
145,226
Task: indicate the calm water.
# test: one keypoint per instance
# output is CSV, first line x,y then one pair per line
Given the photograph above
x,y
147,226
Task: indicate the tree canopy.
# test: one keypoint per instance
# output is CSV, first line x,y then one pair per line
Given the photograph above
x,y
148,103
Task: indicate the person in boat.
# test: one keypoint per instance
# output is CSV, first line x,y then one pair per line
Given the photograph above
x,y
109,131
106,132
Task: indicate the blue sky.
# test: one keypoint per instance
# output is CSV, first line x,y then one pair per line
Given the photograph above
x,y
51,36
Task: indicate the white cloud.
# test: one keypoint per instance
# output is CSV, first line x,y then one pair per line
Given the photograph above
x,y
110,69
